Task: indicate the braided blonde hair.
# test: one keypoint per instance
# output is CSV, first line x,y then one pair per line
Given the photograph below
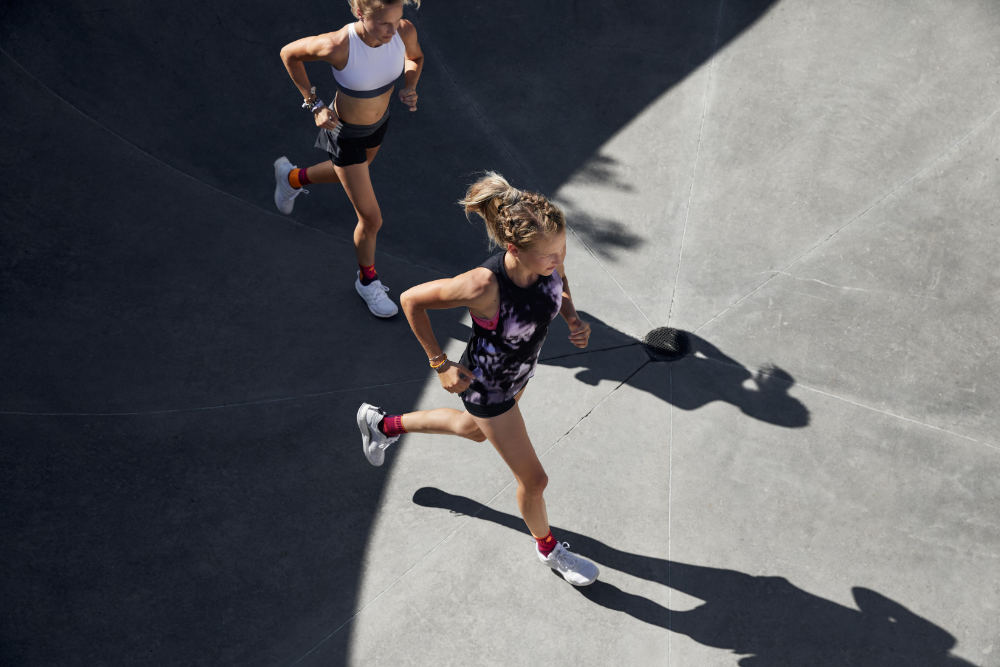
x,y
511,215
364,8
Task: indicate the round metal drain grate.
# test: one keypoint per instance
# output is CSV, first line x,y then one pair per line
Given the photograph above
x,y
666,344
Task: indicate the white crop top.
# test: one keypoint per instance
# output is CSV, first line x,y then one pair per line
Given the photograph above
x,y
369,71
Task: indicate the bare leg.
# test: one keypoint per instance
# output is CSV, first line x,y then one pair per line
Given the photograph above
x,y
358,185
325,172
510,438
446,421
322,172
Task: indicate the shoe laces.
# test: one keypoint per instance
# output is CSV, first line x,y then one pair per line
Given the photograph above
x,y
564,558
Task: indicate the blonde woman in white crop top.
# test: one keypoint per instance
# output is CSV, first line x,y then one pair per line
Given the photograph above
x,y
367,57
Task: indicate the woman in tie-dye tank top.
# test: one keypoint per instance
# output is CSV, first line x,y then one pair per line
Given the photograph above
x,y
512,297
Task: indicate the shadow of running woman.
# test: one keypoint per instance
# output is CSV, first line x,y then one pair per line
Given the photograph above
x,y
705,374
767,620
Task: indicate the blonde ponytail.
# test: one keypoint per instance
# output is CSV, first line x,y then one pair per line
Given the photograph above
x,y
511,216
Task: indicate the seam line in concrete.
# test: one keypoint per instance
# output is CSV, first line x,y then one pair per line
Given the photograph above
x,y
765,371
706,102
900,417
542,360
670,504
595,406
620,287
892,191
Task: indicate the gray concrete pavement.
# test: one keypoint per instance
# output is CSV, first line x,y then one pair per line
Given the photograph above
x,y
809,189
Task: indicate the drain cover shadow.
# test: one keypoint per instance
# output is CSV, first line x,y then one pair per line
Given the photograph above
x,y
666,344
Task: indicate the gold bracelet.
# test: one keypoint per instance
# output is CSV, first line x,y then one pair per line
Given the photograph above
x,y
440,363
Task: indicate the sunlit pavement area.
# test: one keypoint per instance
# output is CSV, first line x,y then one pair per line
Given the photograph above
x,y
807,189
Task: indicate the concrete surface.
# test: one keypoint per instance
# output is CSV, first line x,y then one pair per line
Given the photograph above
x,y
809,189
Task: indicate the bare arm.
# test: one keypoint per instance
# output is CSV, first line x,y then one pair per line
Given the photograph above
x,y
328,47
414,64
579,331
476,289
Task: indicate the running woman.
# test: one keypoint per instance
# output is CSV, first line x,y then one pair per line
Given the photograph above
x,y
512,297
367,57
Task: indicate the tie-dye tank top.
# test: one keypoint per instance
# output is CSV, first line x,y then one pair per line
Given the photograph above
x,y
504,357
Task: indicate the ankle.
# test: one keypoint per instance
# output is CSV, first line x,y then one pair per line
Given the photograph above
x,y
392,425
367,274
298,178
546,544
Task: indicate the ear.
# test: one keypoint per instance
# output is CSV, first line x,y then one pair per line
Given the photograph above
x,y
513,250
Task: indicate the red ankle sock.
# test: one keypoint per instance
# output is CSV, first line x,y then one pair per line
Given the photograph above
x,y
367,274
392,425
298,178
546,544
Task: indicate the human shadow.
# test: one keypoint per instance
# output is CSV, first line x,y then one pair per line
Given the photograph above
x,y
704,375
766,619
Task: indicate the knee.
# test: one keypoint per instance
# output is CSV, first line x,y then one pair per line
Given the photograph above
x,y
535,483
371,221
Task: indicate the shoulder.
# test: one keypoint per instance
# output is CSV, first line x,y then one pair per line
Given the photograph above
x,y
339,43
478,282
472,287
341,39
407,29
331,44
408,33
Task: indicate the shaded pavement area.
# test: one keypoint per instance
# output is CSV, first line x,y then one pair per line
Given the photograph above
x,y
808,189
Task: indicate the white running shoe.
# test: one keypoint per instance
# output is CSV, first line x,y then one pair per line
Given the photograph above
x,y
373,441
374,295
284,193
577,570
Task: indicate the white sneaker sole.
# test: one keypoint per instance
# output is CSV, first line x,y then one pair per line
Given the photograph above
x,y
278,168
573,583
376,457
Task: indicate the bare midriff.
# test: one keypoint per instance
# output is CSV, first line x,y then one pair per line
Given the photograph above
x,y
361,110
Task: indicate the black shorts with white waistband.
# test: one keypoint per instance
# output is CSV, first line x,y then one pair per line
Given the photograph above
x,y
348,144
